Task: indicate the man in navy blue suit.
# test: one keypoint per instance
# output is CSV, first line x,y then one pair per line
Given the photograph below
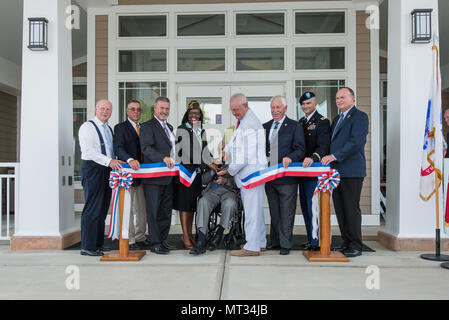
x,y
284,144
127,149
347,155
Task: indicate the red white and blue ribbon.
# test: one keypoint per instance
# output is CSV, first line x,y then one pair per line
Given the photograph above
x,y
160,169
327,182
295,169
118,180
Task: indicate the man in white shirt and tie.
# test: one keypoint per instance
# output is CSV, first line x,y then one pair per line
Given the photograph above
x,y
97,153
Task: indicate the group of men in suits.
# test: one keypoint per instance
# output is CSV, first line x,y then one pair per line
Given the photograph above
x,y
311,139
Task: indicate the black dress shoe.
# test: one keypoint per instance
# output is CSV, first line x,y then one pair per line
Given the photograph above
x,y
103,249
168,245
284,251
350,253
200,244
160,250
215,242
143,244
91,253
273,247
134,246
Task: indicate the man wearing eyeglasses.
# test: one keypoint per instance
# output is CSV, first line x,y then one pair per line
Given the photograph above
x,y
127,148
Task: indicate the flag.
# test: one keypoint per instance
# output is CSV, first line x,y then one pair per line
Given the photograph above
x,y
432,156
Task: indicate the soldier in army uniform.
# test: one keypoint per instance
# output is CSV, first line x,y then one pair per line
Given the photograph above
x,y
318,137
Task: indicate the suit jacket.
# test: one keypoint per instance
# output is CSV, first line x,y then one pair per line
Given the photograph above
x,y
207,180
246,149
348,144
289,143
127,144
189,152
155,147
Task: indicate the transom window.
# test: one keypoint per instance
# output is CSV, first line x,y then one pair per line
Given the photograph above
x,y
260,23
142,26
200,25
319,22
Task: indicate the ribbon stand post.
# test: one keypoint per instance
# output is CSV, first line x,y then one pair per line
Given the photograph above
x,y
325,254
124,254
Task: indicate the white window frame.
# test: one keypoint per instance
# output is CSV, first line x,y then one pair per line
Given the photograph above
x,y
322,46
320,34
142,15
225,13
260,47
202,48
117,53
259,35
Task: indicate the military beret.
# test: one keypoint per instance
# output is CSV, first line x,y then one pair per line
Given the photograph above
x,y
306,96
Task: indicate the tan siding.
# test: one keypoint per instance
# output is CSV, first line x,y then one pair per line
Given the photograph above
x,y
8,128
101,57
363,65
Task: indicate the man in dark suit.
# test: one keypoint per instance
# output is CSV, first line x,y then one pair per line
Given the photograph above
x,y
317,134
158,145
127,148
347,155
284,144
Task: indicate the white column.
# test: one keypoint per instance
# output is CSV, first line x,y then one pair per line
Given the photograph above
x,y
47,139
409,73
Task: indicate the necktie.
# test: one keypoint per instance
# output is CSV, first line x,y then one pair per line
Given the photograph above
x,y
166,130
340,120
238,123
275,131
138,129
108,135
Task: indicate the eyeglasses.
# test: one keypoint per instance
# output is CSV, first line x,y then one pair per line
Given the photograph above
x,y
135,109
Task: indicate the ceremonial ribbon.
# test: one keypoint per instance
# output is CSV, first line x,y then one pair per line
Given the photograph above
x,y
327,182
295,169
118,180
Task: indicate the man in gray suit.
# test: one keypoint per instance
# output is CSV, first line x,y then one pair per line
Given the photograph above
x,y
245,154
219,190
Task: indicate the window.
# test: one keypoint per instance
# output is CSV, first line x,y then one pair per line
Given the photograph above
x,y
259,23
143,26
319,22
201,25
142,60
325,91
259,59
145,92
201,59
79,92
320,58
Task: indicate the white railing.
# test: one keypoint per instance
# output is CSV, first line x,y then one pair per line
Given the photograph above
x,y
9,192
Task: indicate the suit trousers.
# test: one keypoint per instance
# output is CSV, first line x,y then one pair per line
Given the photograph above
x,y
255,230
306,189
346,200
282,203
228,206
159,201
97,198
138,210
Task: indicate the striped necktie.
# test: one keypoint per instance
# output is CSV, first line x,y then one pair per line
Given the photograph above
x,y
138,129
108,135
340,120
275,131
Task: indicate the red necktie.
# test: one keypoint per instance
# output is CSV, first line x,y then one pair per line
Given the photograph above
x,y
238,123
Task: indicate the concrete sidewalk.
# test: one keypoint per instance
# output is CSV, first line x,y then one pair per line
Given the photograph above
x,y
217,275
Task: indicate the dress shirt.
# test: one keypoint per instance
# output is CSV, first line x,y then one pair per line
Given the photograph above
x,y
90,143
310,117
279,127
172,136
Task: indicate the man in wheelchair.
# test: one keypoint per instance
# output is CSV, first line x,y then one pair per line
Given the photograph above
x,y
219,190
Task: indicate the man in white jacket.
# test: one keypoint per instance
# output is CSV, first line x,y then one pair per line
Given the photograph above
x,y
245,154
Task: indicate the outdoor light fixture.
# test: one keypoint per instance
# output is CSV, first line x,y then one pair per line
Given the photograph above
x,y
421,25
38,37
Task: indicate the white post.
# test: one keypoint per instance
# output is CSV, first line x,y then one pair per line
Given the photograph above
x,y
46,215
410,222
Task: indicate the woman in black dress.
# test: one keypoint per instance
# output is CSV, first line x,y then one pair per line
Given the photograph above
x,y
190,150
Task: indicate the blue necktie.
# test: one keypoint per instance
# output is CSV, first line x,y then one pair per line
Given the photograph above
x,y
275,131
108,135
340,120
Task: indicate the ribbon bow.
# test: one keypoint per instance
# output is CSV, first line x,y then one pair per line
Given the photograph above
x,y
120,179
327,182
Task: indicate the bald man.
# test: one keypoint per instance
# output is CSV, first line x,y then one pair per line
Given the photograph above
x,y
97,153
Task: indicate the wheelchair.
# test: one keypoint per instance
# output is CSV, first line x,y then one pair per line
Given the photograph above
x,y
236,235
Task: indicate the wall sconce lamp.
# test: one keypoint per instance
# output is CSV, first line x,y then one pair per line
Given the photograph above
x,y
421,25
38,34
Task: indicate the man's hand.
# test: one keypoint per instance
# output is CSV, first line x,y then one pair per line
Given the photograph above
x,y
307,162
327,159
286,162
222,172
169,162
134,164
115,165
221,180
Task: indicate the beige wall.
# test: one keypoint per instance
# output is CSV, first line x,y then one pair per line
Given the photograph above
x,y
8,128
364,98
101,57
